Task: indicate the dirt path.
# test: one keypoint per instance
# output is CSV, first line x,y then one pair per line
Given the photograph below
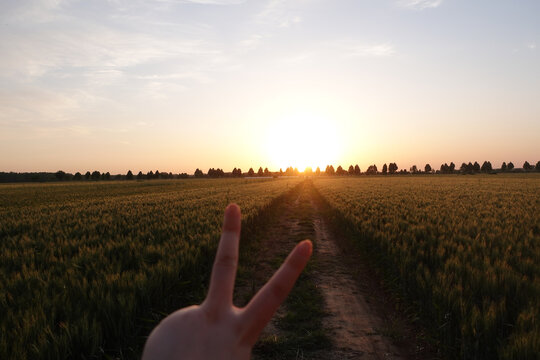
x,y
354,320
355,326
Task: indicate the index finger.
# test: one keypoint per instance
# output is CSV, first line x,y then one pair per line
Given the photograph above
x,y
220,293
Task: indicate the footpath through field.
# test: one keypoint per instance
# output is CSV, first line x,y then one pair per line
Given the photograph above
x,y
333,312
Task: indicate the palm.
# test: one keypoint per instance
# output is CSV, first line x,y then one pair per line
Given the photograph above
x,y
217,329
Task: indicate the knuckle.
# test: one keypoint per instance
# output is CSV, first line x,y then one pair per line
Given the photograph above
x,y
227,261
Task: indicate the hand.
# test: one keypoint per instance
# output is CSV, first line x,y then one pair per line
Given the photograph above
x,y
217,329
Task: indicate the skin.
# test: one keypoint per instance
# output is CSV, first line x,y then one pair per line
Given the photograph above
x,y
217,329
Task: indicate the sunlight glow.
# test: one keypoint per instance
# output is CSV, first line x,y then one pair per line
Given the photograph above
x,y
301,140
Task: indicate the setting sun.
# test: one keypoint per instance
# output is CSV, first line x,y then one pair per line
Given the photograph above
x,y
302,140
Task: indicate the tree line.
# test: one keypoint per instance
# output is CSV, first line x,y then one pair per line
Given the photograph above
x,y
387,169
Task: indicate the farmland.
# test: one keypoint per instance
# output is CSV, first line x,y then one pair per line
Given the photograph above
x,y
464,250
86,270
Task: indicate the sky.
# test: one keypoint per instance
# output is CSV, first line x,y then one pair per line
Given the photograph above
x,y
174,85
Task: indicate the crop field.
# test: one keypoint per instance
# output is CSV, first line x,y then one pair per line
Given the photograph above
x,y
465,250
88,269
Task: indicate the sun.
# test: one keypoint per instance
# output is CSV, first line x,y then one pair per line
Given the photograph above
x,y
302,140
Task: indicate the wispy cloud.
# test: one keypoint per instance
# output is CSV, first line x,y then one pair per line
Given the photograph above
x,y
420,4
353,49
278,13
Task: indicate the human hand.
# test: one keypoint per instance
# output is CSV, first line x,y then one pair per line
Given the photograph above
x,y
217,329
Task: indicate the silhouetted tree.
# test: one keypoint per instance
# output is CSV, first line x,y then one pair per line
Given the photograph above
x,y
330,170
510,166
140,175
503,167
385,169
260,172
372,170
392,168
486,167
357,170
266,172
251,172
318,171
96,175
527,166
340,171
351,170
77,176
427,168
414,169
476,167
198,173
60,175
452,167
538,166
280,172
106,176
129,175
87,175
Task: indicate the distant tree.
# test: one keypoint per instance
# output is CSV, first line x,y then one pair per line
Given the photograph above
x,y
510,166
452,167
385,169
60,175
251,172
527,166
444,168
237,172
198,173
340,171
414,169
371,170
357,170
486,167
260,172
330,170
87,175
476,167
77,176
392,168
129,175
280,172
140,175
157,174
503,167
106,176
318,171
266,172
96,175
537,166
427,168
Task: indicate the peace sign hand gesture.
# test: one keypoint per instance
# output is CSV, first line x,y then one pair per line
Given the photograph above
x,y
217,329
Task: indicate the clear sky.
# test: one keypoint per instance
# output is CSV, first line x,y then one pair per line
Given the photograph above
x,y
174,85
